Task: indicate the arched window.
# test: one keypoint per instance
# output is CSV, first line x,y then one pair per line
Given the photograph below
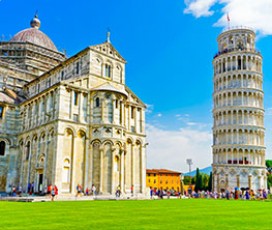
x,y
1,112
107,70
2,148
27,150
97,102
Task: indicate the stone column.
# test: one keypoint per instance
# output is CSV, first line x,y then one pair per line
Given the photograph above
x,y
250,181
122,170
133,167
129,117
90,165
101,170
86,163
113,181
71,104
44,185
102,110
217,183
238,180
143,164
57,162
113,109
227,181
143,121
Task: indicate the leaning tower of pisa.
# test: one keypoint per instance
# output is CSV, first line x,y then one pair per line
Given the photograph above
x,y
238,113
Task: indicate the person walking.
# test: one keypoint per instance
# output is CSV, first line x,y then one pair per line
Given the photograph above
x,y
53,193
94,191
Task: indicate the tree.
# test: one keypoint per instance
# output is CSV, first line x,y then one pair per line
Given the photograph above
x,y
187,180
205,181
198,184
268,164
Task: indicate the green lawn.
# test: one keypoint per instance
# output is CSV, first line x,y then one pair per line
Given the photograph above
x,y
143,214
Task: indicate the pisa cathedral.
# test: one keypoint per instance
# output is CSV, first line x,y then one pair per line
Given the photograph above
x,y
68,121
238,113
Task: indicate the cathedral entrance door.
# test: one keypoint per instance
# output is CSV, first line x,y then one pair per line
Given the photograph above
x,y
40,183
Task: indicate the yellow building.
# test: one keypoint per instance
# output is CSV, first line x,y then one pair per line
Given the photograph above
x,y
163,178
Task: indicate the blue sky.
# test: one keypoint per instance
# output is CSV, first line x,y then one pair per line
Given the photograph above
x,y
169,47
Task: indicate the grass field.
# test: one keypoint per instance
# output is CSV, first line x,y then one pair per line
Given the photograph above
x,y
142,214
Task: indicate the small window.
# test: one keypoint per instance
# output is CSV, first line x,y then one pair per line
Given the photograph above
x,y
75,98
62,75
2,148
107,70
154,181
97,102
27,150
116,104
77,68
48,83
1,112
132,112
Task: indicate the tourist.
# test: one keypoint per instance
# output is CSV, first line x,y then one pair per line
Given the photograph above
x,y
87,191
131,190
151,193
52,194
94,191
247,195
79,190
118,191
56,191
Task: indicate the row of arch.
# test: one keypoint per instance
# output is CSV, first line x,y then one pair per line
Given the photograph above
x,y
240,117
238,136
238,62
240,98
231,40
234,156
109,163
39,111
254,81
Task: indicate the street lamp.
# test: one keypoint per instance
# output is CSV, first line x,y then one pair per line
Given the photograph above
x,y
189,162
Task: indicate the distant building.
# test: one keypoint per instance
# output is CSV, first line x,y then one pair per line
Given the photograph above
x,y
238,113
68,121
163,178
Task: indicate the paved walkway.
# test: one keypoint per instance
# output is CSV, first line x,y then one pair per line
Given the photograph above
x,y
69,198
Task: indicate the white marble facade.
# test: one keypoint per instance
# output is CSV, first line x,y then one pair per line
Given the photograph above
x,y
238,129
74,123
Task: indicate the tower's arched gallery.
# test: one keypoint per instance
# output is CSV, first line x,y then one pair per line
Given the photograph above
x,y
238,129
68,121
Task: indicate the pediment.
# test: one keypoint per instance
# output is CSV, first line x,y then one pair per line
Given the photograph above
x,y
108,49
109,87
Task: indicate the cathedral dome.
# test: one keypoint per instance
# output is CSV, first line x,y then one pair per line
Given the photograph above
x,y
34,35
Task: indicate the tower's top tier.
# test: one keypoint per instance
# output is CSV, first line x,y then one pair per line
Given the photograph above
x,y
236,39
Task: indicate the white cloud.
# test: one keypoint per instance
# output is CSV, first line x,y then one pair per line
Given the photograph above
x,y
170,149
149,108
199,8
250,13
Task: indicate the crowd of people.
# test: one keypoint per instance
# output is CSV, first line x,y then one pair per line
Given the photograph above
x,y
237,193
245,194
160,193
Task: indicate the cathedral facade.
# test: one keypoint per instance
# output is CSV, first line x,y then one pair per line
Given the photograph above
x,y
68,121
238,129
